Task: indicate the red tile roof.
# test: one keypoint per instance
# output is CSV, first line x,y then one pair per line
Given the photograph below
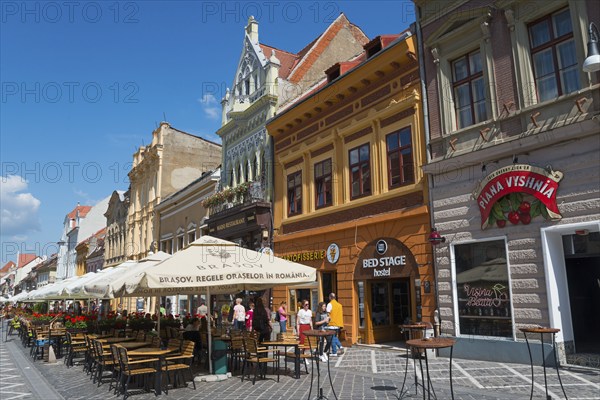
x,y
288,60
100,234
7,267
25,259
83,210
312,52
295,66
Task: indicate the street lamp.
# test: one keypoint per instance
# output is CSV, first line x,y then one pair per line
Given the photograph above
x,y
435,238
592,62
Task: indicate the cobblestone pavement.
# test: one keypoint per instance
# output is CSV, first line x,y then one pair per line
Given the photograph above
x,y
361,373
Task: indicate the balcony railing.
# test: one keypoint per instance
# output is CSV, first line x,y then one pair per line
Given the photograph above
x,y
249,193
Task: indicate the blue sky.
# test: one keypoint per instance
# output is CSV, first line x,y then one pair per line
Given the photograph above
x,y
83,85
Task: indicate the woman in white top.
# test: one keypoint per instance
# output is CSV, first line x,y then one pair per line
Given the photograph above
x,y
239,315
304,320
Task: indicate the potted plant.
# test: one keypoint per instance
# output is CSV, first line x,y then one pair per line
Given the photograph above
x,y
76,323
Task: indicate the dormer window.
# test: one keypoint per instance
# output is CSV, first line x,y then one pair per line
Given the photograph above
x,y
333,73
371,51
373,47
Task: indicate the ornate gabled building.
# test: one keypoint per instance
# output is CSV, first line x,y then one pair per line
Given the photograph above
x,y
115,242
515,172
169,163
265,79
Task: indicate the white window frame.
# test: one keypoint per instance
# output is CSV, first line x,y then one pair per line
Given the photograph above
x,y
518,20
446,47
191,229
455,293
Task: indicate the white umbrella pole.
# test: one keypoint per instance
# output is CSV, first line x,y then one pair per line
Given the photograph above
x,y
157,305
210,367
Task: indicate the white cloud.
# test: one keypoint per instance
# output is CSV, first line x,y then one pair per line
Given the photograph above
x,y
87,199
210,106
18,209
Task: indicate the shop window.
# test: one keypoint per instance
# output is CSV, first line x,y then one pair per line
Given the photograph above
x,y
379,304
553,55
482,287
469,89
323,183
294,192
400,161
360,171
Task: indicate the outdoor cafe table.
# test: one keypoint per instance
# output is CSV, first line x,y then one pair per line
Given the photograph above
x,y
320,335
133,345
285,345
415,331
541,330
153,352
110,340
432,343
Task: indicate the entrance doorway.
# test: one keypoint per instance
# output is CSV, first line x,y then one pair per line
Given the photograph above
x,y
389,308
583,276
582,261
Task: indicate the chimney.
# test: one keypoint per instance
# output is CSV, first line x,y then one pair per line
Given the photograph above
x,y
252,29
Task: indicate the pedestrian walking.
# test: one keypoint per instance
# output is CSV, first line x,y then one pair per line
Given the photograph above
x,y
261,321
239,315
304,320
282,317
336,323
321,322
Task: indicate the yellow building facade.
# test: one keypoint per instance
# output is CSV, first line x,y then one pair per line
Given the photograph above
x,y
350,197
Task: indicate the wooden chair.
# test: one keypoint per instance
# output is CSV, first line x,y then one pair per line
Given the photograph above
x,y
74,348
180,363
259,358
104,361
156,342
141,336
137,368
40,339
116,375
89,365
175,344
236,352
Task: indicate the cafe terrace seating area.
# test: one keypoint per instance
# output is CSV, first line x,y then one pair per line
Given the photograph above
x,y
129,362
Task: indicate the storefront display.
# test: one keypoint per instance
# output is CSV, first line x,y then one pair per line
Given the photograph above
x,y
482,288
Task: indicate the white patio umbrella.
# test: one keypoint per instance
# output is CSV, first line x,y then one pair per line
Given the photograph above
x,y
74,290
19,297
52,291
100,285
213,265
112,285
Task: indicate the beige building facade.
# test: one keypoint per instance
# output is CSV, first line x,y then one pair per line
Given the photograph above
x,y
115,244
169,163
181,218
